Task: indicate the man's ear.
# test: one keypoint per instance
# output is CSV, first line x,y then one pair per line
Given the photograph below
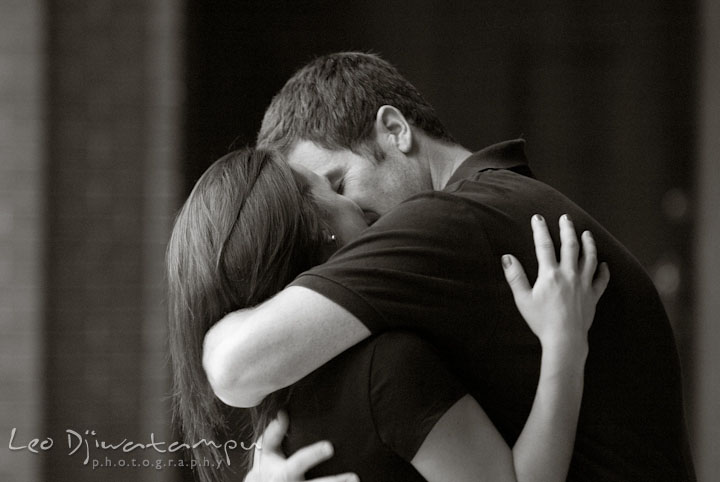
x,y
392,127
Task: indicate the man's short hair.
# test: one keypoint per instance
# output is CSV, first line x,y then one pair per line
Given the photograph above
x,y
333,100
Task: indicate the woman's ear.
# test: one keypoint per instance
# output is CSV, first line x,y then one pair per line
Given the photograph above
x,y
391,127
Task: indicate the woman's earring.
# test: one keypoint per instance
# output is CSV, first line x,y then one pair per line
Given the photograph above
x,y
330,238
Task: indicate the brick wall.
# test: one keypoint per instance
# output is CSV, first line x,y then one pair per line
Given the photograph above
x,y
22,161
113,117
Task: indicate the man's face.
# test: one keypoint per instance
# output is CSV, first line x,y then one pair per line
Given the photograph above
x,y
375,186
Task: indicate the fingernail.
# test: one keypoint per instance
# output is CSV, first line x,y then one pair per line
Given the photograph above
x,y
506,261
353,478
538,218
567,218
327,448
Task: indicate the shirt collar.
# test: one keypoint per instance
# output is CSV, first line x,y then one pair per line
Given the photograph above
x,y
504,155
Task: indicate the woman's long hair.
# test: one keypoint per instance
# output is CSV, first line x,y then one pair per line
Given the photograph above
x,y
246,230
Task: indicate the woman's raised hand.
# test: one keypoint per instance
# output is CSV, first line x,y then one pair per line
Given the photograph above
x,y
560,307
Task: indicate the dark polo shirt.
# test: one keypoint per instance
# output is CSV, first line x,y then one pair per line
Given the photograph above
x,y
432,266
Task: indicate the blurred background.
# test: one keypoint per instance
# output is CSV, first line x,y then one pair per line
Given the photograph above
x,y
111,109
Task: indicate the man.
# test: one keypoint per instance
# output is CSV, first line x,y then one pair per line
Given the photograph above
x,y
429,264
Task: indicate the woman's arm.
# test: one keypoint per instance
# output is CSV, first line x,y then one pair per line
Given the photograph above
x,y
559,308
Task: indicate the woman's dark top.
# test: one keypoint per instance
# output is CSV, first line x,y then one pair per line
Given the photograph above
x,y
376,403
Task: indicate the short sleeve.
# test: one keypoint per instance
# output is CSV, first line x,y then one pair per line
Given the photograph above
x,y
410,389
425,266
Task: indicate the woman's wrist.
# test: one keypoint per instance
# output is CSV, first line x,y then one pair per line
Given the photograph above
x,y
564,342
565,354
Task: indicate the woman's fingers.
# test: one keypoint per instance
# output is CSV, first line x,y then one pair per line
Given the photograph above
x,y
269,453
569,246
588,263
275,431
515,276
272,437
308,457
544,247
602,280
569,250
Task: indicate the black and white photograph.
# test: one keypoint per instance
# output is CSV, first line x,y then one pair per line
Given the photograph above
x,y
378,241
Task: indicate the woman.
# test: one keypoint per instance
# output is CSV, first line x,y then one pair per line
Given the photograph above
x,y
249,227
